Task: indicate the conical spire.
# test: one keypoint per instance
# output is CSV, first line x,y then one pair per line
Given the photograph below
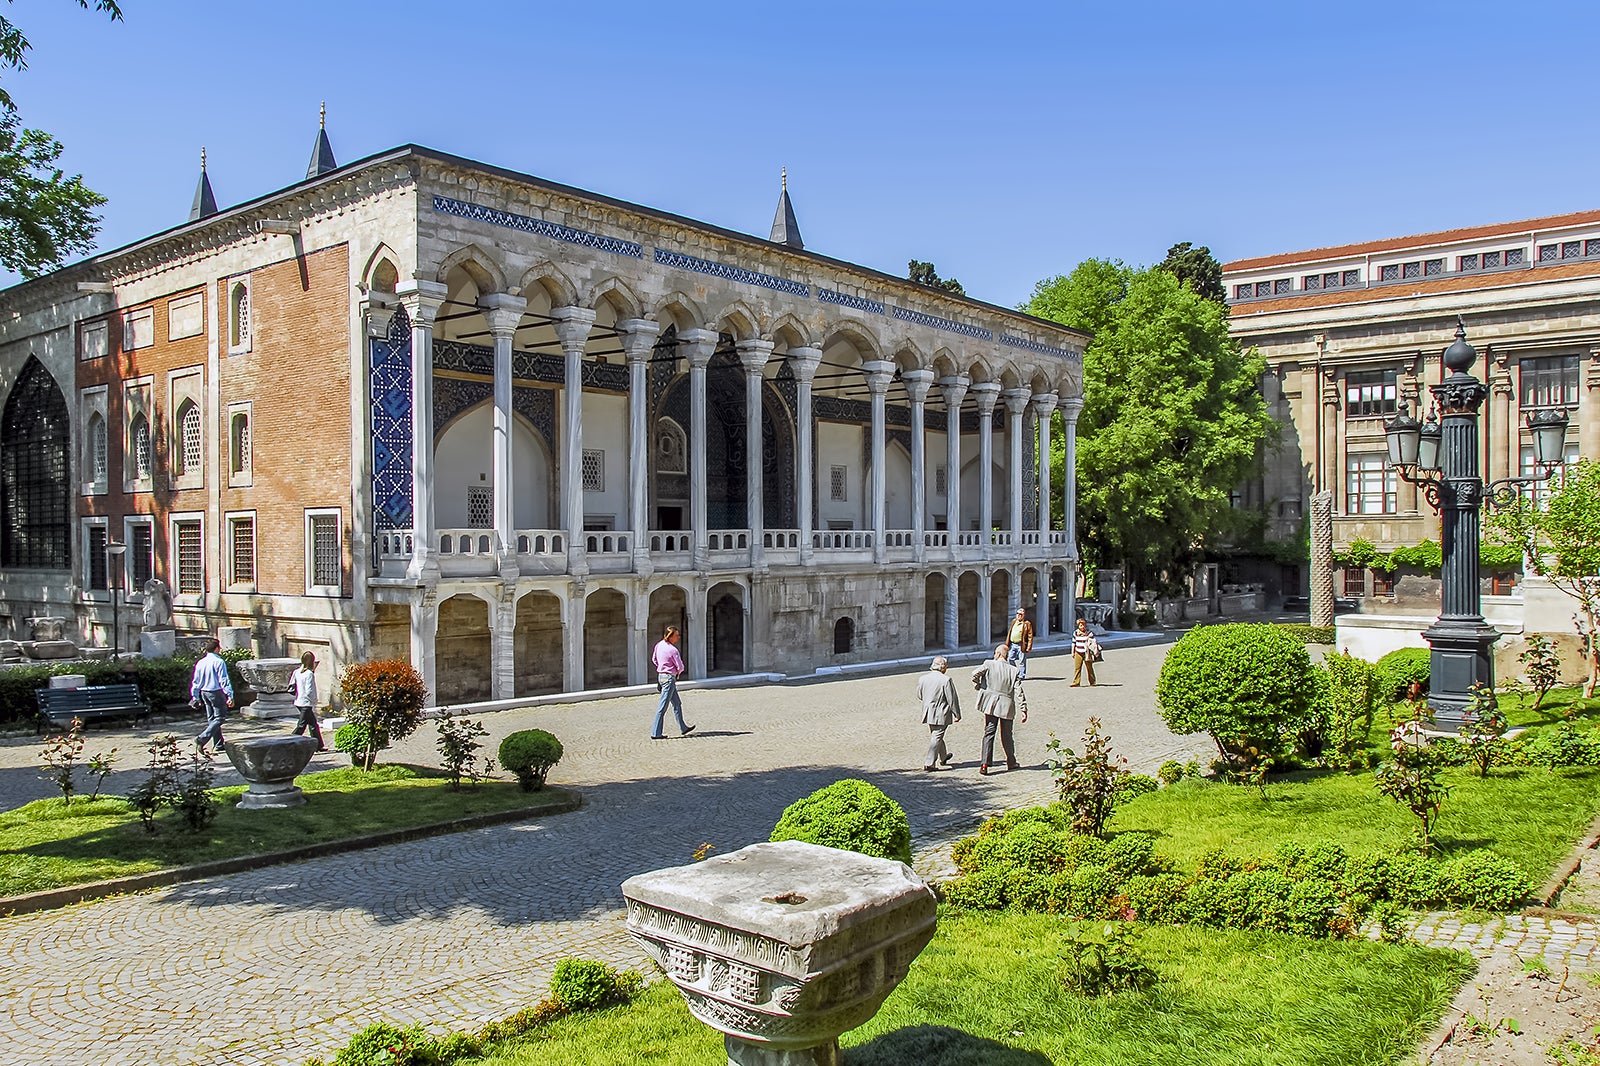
x,y
785,230
322,152
205,201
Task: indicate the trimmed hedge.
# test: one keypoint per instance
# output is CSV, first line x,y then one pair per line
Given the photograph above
x,y
530,753
1309,634
1402,667
852,815
161,682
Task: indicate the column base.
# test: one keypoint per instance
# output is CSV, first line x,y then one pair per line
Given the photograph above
x,y
1463,656
745,1053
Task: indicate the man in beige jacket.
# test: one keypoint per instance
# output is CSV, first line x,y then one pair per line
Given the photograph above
x,y
1000,701
941,705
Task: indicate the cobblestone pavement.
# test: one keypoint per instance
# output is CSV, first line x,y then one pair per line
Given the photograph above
x,y
1559,942
279,964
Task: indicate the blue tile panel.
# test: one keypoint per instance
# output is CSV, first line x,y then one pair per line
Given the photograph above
x,y
731,273
391,425
553,230
944,323
1034,346
828,296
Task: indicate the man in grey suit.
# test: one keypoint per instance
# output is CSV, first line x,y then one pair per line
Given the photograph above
x,y
1001,702
941,705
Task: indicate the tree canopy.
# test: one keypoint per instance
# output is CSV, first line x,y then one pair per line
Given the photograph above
x,y
1198,267
1172,421
924,274
44,215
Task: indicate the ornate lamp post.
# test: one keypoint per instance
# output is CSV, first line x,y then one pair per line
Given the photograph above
x,y
116,549
1442,458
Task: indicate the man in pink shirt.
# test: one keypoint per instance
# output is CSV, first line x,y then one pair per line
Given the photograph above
x,y
669,667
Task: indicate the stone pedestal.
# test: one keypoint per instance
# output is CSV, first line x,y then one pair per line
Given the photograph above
x,y
158,643
68,681
270,678
782,947
271,764
50,649
235,638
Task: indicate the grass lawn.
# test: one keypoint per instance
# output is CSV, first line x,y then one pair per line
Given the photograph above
x,y
985,992
45,844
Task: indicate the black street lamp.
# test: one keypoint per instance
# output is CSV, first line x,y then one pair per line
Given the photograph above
x,y
1442,458
116,549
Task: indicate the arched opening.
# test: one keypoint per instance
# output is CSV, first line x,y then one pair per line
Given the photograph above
x,y
239,315
464,474
999,604
188,452
967,587
725,629
139,447
605,639
537,640
669,606
385,278
35,501
1058,577
462,651
239,444
844,636
933,611
897,485
97,459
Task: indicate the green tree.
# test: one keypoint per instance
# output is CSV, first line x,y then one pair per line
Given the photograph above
x,y
1172,421
924,274
44,215
1562,543
1198,267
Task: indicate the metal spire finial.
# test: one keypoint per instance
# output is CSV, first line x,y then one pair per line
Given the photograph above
x,y
322,121
202,157
784,178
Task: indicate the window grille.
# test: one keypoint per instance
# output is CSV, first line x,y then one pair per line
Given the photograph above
x,y
189,431
239,435
594,470
95,559
1371,485
326,569
838,478
1491,260
941,485
1371,393
1382,583
1311,282
191,558
1263,288
1433,267
35,524
1549,253
239,316
1467,262
141,555
243,543
1390,272
480,507
1242,292
1282,285
1514,257
1550,381
1571,250
97,449
141,448
1355,581
1591,248
1352,277
1411,270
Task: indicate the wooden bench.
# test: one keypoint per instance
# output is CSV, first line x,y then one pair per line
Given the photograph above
x,y
59,706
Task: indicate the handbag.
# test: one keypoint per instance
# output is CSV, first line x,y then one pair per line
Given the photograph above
x,y
1095,654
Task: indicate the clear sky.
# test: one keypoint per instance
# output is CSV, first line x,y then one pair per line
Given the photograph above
x,y
1003,141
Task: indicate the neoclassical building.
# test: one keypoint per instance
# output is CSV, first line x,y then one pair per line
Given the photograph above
x,y
423,407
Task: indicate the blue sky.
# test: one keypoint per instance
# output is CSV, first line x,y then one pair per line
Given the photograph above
x,y
1004,141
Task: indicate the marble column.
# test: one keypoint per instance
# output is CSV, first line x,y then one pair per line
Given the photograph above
x,y
1502,424
917,383
424,630
952,604
1044,406
694,655
1589,408
640,646
577,620
954,390
422,300
753,356
1071,407
803,362
638,344
503,643
572,326
1041,601
985,621
1017,401
503,312
985,394
878,373
698,345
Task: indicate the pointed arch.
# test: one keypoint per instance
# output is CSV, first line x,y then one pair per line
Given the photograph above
x,y
556,285
619,294
478,265
788,331
35,472
741,321
860,338
945,364
908,356
679,310
381,265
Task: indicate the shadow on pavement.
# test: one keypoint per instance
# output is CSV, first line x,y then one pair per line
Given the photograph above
x,y
938,1045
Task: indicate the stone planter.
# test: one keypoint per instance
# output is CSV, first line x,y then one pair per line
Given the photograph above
x,y
271,764
274,691
782,947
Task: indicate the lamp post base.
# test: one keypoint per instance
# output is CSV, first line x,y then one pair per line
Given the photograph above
x,y
1463,656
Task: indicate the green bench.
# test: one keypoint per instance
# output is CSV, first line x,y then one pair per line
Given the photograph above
x,y
59,706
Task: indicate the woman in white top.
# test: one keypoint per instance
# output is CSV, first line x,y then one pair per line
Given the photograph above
x,y
305,698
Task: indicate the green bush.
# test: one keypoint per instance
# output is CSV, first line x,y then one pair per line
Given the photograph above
x,y
1100,959
1349,692
1309,634
1133,786
355,741
1482,879
1402,668
382,1044
852,815
530,753
1250,686
1565,745
583,984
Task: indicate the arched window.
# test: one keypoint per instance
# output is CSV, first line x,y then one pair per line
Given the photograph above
x,y
385,277
35,527
672,448
188,452
139,447
239,443
844,636
97,449
239,316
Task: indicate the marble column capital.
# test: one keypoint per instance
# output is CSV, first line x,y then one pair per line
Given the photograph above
x,y
878,373
954,389
754,355
803,362
698,346
572,325
638,336
503,312
1071,408
1044,403
422,300
986,394
917,383
1017,400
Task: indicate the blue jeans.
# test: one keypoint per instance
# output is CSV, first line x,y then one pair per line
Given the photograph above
x,y
1016,657
215,703
669,694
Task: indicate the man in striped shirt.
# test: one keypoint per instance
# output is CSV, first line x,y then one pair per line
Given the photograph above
x,y
211,689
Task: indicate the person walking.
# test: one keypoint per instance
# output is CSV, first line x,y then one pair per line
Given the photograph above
x,y
1085,653
1000,701
211,689
304,681
941,705
669,667
1021,641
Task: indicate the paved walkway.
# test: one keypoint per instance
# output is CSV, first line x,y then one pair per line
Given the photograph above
x,y
280,964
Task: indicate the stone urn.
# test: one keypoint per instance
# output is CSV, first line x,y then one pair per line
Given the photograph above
x,y
270,678
271,764
782,947
46,627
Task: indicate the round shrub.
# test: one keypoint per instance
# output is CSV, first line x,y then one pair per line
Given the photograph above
x,y
530,753
385,696
852,815
1248,685
1483,879
583,984
356,740
1402,668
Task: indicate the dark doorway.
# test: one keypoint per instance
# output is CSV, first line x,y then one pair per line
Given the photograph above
x,y
35,527
726,632
844,636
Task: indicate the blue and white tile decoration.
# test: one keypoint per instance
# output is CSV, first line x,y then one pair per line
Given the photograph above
x,y
553,230
391,425
921,319
1034,346
731,273
844,299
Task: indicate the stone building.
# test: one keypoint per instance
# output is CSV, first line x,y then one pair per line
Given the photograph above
x,y
424,407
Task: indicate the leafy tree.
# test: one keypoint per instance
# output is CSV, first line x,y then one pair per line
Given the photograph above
x,y
924,274
1198,267
44,215
1562,544
1172,419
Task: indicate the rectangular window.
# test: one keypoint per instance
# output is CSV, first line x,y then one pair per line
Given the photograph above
x,y
94,339
1467,262
1550,382
324,553
1549,253
138,329
242,550
95,560
141,555
1541,491
1332,280
594,470
1514,257
186,317
1591,248
1389,273
1572,249
480,507
1282,285
941,486
1411,270
189,552
1311,282
1433,267
1352,277
1503,584
1382,583
838,478
1263,288
1371,394
1355,581
1371,486
1242,292
1491,260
